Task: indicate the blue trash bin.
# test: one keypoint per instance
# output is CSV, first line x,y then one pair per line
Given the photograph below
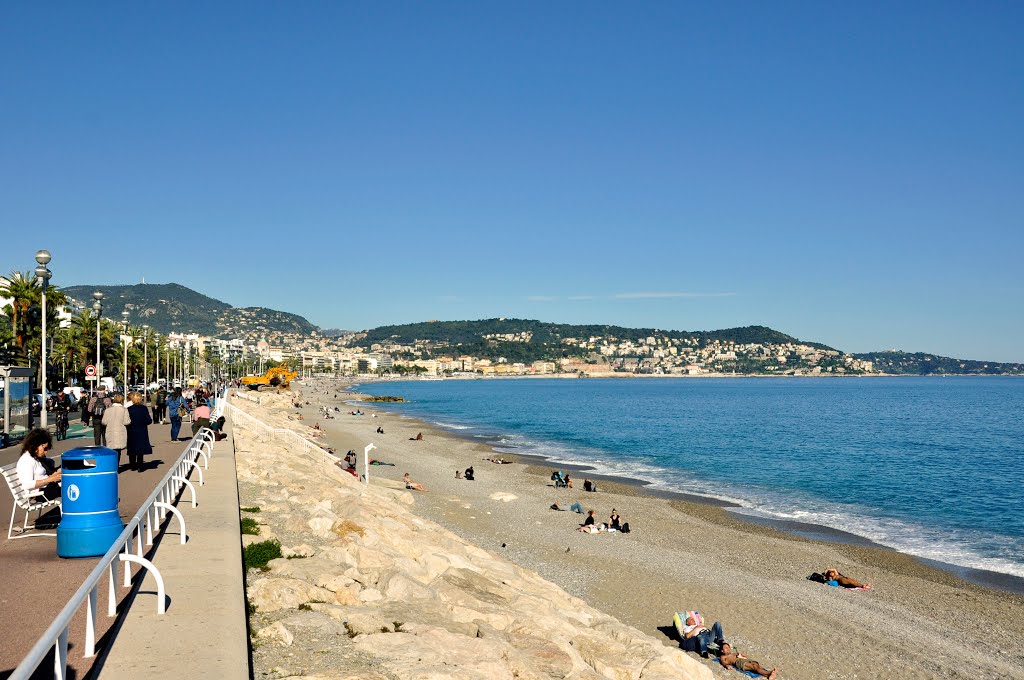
x,y
89,522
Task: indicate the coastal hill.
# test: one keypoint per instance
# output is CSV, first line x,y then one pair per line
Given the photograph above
x,y
531,340
895,362
171,307
747,350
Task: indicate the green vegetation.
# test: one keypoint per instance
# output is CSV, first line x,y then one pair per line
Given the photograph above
x,y
254,508
258,554
545,339
250,526
171,307
920,363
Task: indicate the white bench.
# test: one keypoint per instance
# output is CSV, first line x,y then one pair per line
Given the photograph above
x,y
23,499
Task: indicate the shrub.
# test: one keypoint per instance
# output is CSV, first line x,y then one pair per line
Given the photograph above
x,y
249,526
258,554
254,508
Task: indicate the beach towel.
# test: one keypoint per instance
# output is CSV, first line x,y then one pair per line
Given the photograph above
x,y
818,578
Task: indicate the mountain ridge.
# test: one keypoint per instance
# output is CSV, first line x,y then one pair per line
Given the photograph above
x,y
172,307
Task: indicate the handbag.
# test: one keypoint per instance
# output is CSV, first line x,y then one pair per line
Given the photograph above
x,y
182,412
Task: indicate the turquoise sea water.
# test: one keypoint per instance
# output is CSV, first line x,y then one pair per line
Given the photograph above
x,y
929,466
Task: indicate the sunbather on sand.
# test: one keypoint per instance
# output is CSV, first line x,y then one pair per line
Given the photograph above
x,y
730,659
832,574
409,484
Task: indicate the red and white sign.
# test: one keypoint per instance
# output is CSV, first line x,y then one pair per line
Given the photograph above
x,y
90,370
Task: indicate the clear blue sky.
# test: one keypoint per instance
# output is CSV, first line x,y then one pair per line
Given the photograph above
x,y
849,173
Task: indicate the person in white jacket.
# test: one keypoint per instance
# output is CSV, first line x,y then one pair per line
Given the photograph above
x,y
116,422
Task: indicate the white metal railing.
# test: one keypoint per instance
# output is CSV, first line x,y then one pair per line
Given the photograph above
x,y
149,520
282,432
295,438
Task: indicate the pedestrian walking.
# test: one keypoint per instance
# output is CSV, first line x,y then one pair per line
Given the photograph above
x,y
177,407
98,404
115,424
138,432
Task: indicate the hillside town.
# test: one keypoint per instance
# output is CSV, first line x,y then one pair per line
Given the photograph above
x,y
248,341
591,356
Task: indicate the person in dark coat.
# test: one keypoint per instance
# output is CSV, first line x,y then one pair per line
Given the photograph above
x,y
138,432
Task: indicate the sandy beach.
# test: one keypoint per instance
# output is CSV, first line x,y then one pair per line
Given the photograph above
x,y
917,621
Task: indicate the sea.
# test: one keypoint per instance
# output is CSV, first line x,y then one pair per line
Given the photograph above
x,y
932,467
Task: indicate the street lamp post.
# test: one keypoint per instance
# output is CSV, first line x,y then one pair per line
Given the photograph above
x,y
156,349
43,277
124,339
97,307
145,360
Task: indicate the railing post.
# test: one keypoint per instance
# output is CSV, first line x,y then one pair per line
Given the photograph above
x,y
127,565
90,622
112,592
60,656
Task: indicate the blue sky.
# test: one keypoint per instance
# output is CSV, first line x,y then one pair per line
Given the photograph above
x,y
852,174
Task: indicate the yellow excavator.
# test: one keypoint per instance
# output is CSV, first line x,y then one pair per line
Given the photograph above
x,y
278,376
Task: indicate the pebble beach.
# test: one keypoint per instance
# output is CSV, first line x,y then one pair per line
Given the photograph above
x,y
917,621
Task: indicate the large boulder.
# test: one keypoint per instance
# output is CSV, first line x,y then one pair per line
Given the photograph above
x,y
272,594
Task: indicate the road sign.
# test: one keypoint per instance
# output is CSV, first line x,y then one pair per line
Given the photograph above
x,y
91,378
90,370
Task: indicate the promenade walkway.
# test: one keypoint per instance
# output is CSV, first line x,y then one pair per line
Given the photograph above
x,y
204,633
36,584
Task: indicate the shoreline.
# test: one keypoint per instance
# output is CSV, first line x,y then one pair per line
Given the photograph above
x,y
977,577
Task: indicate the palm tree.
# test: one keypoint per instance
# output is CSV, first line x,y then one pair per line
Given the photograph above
x,y
23,291
65,349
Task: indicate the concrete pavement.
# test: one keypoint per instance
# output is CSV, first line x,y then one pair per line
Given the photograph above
x,y
204,632
36,584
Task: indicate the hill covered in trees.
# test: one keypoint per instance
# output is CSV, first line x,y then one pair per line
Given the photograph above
x,y
920,363
525,340
171,307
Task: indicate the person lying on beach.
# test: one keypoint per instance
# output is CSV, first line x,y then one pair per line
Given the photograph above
x,y
593,528
409,484
832,574
731,659
697,636
575,507
417,438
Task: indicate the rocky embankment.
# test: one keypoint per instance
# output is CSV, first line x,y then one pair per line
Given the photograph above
x,y
366,589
